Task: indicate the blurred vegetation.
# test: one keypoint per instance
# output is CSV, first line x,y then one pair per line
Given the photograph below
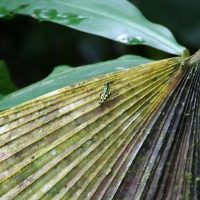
x,y
31,49
181,17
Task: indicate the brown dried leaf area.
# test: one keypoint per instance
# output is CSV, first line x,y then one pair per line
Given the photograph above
x,y
142,142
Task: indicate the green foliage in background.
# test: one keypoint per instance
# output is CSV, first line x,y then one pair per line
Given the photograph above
x,y
6,84
117,20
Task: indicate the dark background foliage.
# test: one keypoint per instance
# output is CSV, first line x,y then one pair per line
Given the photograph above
x,y
32,49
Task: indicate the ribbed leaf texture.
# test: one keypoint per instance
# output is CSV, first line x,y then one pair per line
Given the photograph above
x,y
142,142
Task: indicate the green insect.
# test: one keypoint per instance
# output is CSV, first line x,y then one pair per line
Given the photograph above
x,y
104,95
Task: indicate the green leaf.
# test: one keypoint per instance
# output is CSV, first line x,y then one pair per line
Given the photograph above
x,y
118,20
6,84
66,75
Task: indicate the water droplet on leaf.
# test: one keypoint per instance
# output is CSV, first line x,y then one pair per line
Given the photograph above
x,y
128,39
